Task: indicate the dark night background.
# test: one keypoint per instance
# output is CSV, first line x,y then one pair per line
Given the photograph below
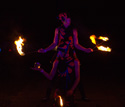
x,y
36,23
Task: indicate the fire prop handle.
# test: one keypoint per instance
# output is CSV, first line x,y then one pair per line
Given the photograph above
x,y
19,46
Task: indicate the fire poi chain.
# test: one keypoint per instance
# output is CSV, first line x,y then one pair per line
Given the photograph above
x,y
102,48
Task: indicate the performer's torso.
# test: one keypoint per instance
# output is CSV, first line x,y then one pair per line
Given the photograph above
x,y
66,55
65,42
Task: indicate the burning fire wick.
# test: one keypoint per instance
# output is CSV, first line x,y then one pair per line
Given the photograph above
x,y
19,43
102,48
61,101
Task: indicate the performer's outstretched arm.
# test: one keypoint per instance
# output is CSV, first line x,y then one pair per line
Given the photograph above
x,y
77,73
77,45
51,74
53,45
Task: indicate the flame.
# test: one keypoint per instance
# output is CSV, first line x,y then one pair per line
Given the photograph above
x,y
102,48
19,43
103,38
92,37
38,66
61,101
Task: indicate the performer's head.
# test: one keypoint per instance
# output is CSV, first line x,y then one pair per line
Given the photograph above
x,y
65,19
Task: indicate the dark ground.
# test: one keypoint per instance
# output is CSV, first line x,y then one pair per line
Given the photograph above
x,y
102,72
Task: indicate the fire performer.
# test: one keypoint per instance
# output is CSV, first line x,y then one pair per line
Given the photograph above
x,y
66,65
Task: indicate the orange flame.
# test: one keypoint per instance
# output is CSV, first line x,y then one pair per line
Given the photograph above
x,y
61,101
92,37
102,48
103,38
19,43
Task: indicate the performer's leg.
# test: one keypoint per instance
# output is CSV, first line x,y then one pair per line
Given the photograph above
x,y
49,89
81,89
80,85
77,68
70,102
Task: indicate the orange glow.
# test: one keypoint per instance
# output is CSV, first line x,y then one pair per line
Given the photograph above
x,y
103,38
102,48
19,43
92,37
38,66
61,101
56,48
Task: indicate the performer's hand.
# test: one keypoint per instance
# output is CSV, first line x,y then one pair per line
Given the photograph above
x,y
42,50
36,69
69,92
89,50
